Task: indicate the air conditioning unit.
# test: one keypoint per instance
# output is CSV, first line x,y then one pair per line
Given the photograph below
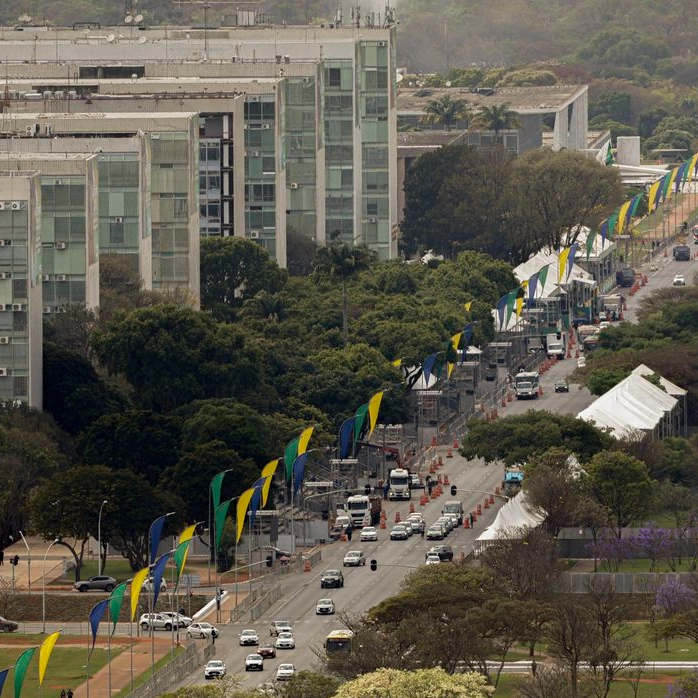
x,y
294,185
60,245
5,275
266,127
253,153
46,277
371,220
47,310
2,243
3,372
15,205
3,307
2,205
118,219
60,309
4,340
17,306
382,44
29,130
254,234
61,277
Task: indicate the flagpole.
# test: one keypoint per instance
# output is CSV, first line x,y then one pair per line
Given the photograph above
x,y
130,633
109,649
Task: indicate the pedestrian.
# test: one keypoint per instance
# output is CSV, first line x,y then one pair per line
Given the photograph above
x,y
63,693
69,693
350,529
472,519
534,667
429,486
421,528
386,488
2,556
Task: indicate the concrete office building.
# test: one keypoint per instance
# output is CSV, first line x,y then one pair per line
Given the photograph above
x,y
124,191
332,120
69,261
171,192
21,337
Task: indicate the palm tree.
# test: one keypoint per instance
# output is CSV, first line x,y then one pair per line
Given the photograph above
x,y
265,305
496,118
445,111
342,261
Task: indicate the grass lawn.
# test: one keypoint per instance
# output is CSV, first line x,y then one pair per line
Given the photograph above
x,y
66,668
643,565
142,678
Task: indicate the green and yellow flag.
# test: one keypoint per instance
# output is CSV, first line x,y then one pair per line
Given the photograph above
x,y
268,472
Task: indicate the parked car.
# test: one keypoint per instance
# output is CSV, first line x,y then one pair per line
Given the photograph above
x,y
279,626
100,583
354,558
267,650
202,630
368,533
399,532
581,362
562,386
215,669
445,552
249,637
324,607
285,672
156,621
179,619
148,584
254,662
679,280
285,641
331,579
8,626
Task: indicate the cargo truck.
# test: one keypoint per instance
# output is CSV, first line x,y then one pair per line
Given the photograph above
x,y
399,484
556,345
513,480
682,253
364,510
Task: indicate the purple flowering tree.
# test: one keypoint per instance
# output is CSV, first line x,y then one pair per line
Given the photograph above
x,y
655,544
674,597
612,551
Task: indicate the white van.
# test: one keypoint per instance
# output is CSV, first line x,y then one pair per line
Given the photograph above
x,y
454,506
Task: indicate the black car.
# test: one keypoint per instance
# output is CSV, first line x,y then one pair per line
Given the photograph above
x,y
331,579
562,386
445,552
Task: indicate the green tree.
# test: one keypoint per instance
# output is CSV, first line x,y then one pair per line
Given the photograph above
x,y
310,684
234,269
497,118
172,356
518,438
342,262
622,484
445,111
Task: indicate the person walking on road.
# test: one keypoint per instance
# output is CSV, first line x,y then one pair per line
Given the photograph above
x,y
350,530
472,520
69,694
2,556
386,488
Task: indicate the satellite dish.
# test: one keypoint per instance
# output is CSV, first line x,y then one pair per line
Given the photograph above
x,y
142,39
128,19
399,78
111,38
138,19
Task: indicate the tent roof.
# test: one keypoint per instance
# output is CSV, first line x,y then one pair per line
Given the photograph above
x,y
633,404
598,247
671,388
528,268
516,514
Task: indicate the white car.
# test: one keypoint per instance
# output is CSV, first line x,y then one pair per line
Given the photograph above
x,y
202,630
285,641
180,620
254,662
603,325
368,533
432,559
581,362
324,607
285,672
157,621
249,637
279,626
215,669
148,584
679,280
354,558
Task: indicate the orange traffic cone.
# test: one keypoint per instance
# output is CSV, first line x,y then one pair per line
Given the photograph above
x,y
455,443
479,510
491,499
306,566
510,397
540,390
504,401
449,453
445,480
466,522
411,508
486,504
397,517
433,441
440,462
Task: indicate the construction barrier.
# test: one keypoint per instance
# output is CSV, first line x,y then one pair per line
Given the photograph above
x,y
486,503
440,462
449,453
504,401
491,499
343,538
479,510
455,443
540,389
445,480
306,566
411,508
397,517
383,523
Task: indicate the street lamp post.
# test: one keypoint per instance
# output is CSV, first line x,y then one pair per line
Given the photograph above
x,y
29,563
99,538
43,587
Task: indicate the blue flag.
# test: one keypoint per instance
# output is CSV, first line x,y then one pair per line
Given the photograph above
x,y
346,438
96,615
299,471
154,535
428,367
3,676
257,497
158,571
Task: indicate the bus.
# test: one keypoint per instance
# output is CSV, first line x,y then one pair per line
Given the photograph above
x,y
338,641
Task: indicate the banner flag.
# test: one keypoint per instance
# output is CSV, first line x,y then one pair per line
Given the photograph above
x,y
136,587
243,503
290,454
3,676
155,534
45,653
373,407
116,601
21,669
216,484
346,434
158,572
268,472
219,520
96,615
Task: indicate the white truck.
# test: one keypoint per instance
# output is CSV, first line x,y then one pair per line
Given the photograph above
x,y
363,509
526,385
399,484
556,343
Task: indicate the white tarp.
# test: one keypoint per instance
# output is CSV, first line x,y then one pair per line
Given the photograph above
x,y
670,387
634,404
515,515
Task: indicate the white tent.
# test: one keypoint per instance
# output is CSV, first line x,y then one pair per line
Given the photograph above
x,y
633,405
516,516
670,387
551,288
